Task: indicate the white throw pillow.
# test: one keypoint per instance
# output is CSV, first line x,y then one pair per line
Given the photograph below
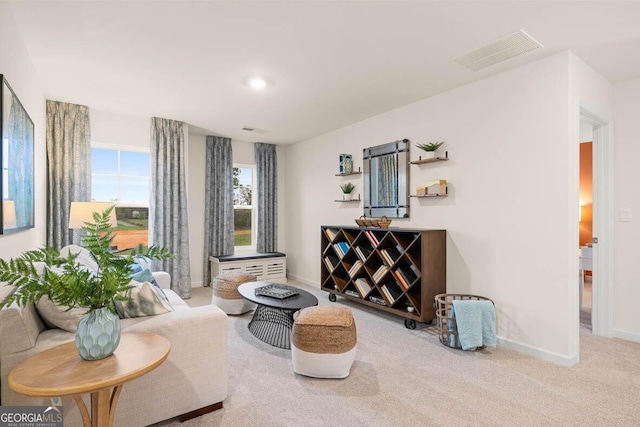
x,y
84,256
57,316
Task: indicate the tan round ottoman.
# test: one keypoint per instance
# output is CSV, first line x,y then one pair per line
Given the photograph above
x,y
323,342
225,292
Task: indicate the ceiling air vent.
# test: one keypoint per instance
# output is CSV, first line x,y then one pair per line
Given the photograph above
x,y
255,130
500,50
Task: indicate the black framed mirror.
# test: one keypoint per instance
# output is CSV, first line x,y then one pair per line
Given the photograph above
x,y
386,180
17,156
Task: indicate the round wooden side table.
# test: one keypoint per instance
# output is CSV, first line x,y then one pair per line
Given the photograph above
x,y
60,371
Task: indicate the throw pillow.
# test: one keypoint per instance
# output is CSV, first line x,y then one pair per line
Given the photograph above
x,y
57,316
145,275
145,300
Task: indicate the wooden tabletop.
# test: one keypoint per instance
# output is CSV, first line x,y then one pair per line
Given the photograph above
x,y
60,371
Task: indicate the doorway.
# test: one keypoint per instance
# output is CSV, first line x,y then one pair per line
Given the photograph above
x,y
601,251
585,219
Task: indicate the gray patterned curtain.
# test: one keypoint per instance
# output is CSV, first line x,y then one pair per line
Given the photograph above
x,y
267,172
168,225
218,205
69,168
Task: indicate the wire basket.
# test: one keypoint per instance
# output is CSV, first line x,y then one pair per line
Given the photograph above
x,y
447,326
383,222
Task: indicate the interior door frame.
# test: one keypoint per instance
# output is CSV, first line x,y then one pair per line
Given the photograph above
x,y
602,275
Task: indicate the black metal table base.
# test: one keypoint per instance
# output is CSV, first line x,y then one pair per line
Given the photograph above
x,y
272,325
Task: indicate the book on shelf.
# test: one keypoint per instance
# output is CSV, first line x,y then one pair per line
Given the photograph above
x,y
400,279
331,262
406,275
362,252
355,268
379,274
352,293
387,294
372,238
390,256
331,233
394,291
363,286
415,270
341,248
377,300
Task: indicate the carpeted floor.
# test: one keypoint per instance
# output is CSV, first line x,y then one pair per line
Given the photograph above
x,y
405,377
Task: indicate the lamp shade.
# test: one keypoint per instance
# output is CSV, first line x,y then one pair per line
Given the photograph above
x,y
82,212
9,214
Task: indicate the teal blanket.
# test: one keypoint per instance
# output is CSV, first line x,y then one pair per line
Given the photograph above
x,y
476,322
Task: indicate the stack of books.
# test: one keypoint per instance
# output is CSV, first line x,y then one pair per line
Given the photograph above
x,y
331,262
390,256
362,252
380,273
341,248
391,292
355,268
404,276
331,233
363,286
377,300
372,238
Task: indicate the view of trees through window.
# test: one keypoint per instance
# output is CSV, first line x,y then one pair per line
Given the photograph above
x,y
123,176
243,205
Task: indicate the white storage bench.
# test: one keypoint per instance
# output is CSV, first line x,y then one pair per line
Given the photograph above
x,y
267,266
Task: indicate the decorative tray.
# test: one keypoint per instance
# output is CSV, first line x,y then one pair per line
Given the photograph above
x,y
275,291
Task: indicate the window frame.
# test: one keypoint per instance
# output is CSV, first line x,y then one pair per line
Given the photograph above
x,y
124,147
253,207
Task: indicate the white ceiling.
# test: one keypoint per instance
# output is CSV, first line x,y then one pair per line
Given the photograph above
x,y
333,62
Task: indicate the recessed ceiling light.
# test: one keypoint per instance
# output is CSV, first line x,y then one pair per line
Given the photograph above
x,y
257,82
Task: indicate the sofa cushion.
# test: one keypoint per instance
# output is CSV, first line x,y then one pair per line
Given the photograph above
x,y
57,316
145,300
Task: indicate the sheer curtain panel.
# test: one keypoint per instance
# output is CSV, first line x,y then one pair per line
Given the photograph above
x,y
68,168
218,214
168,225
267,172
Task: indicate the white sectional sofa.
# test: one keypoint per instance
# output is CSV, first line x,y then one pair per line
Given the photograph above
x,y
193,379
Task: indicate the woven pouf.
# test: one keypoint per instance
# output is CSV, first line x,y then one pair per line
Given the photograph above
x,y
226,295
323,342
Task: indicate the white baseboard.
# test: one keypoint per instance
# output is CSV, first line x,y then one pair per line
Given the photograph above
x,y
539,353
303,280
197,284
626,335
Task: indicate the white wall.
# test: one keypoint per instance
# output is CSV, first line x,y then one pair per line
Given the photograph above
x,y
507,214
120,129
242,153
16,66
626,318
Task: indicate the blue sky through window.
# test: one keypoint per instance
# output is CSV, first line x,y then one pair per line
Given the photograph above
x,y
118,175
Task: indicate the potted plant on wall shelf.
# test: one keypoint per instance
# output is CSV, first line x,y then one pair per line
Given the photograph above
x,y
41,272
347,190
430,149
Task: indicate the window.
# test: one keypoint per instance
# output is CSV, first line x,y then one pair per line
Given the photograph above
x,y
243,209
121,174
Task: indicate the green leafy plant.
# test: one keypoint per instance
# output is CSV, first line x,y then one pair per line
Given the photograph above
x,y
347,187
431,146
70,284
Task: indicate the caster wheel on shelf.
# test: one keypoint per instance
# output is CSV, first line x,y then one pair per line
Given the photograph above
x,y
332,297
409,323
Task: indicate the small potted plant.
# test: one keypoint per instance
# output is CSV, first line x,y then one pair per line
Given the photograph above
x,y
430,149
71,285
347,190
409,306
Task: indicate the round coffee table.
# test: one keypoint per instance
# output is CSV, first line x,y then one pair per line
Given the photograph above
x,y
273,319
59,371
